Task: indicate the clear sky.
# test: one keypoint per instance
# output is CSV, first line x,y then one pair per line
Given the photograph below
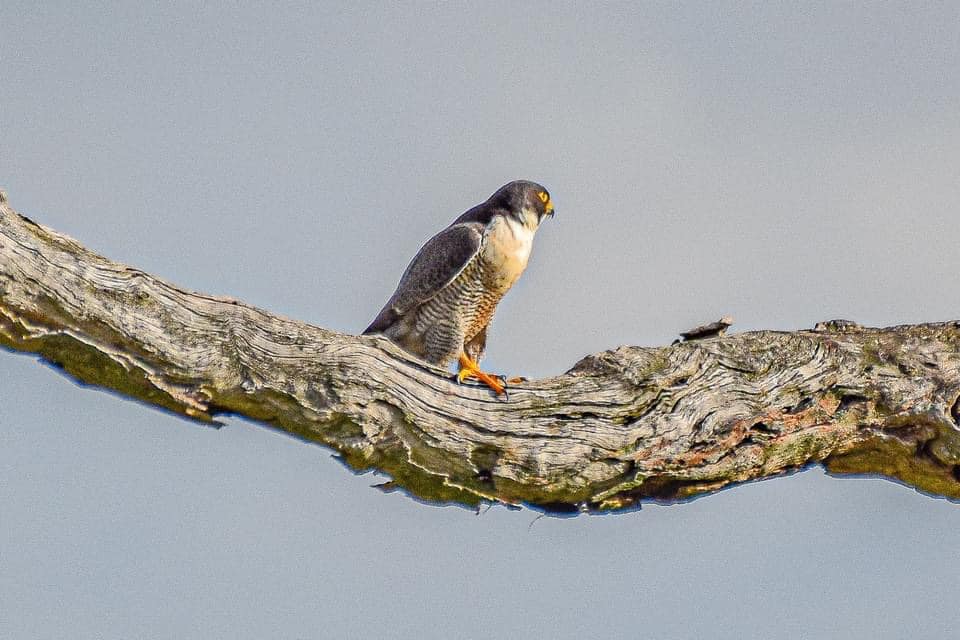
x,y
781,163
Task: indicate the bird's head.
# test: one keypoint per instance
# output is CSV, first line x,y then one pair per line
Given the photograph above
x,y
528,201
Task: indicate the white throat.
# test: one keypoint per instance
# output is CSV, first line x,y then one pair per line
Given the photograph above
x,y
529,219
522,231
507,248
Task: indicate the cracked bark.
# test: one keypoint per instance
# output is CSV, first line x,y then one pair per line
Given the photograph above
x,y
621,426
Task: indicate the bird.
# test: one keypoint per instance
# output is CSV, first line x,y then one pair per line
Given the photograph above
x,y
448,293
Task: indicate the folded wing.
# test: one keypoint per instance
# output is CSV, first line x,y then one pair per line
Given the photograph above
x,y
436,265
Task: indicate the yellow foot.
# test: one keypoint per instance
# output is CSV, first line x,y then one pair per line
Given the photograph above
x,y
470,369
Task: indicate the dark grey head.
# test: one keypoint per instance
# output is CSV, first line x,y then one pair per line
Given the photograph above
x,y
521,199
521,195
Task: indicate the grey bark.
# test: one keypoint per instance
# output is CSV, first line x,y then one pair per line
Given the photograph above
x,y
620,426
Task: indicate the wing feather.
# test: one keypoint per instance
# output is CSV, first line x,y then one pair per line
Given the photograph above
x,y
435,266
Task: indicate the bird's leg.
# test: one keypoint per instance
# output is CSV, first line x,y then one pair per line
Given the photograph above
x,y
470,369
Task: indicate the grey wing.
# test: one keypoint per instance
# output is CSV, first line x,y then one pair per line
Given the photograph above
x,y
435,266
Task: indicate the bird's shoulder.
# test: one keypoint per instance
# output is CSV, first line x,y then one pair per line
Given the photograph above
x,y
444,255
482,214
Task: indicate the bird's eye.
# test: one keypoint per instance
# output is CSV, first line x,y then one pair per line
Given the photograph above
x,y
543,196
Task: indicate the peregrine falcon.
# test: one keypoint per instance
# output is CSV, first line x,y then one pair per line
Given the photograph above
x,y
447,295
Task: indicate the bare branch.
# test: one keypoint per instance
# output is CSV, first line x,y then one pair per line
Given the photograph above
x,y
622,425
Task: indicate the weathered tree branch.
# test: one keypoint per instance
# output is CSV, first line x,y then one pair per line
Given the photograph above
x,y
622,425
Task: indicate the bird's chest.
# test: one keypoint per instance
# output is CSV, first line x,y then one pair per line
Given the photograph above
x,y
504,254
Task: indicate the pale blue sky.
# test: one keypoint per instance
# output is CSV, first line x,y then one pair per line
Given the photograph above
x,y
782,163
